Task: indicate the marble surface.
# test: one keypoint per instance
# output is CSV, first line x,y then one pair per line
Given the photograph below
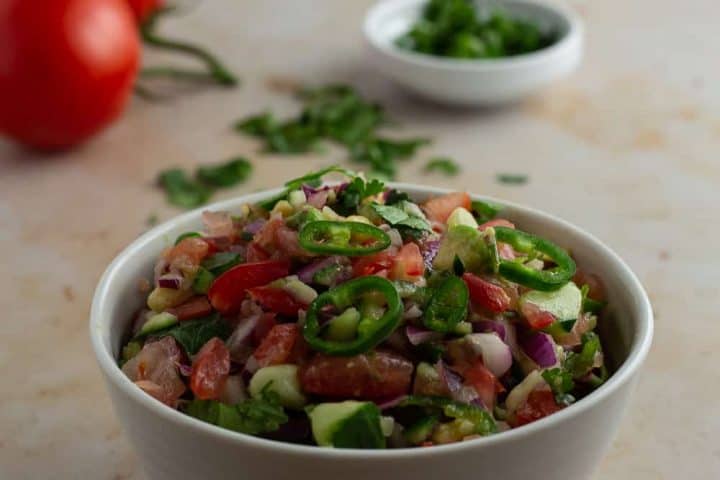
x,y
628,148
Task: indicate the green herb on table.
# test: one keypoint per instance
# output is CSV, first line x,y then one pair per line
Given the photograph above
x,y
512,178
152,220
457,29
444,165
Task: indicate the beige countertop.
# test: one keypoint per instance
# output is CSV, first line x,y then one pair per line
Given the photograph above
x,y
628,148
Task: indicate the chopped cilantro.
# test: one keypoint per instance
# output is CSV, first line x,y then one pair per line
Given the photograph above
x,y
442,164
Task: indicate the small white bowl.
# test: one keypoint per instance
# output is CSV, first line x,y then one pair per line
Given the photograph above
x,y
565,445
474,81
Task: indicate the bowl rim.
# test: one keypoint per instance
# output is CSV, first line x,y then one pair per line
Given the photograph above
x,y
526,60
639,348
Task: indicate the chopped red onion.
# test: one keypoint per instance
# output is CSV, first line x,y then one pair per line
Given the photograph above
x,y
496,355
307,273
452,380
540,347
417,336
391,402
218,224
251,366
468,394
185,370
255,226
488,326
318,199
170,280
238,343
412,311
429,250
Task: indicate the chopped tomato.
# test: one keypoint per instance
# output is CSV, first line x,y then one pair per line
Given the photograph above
x,y
277,345
379,375
190,251
210,369
486,294
497,222
228,290
276,300
196,307
255,253
279,241
484,383
536,318
438,209
539,404
156,364
408,263
377,264
263,327
597,289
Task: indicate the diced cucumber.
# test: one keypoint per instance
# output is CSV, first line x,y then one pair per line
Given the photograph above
x,y
461,216
301,292
157,322
468,244
282,380
161,298
349,424
564,303
343,327
297,198
421,430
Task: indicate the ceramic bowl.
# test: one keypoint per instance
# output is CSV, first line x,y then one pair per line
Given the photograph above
x,y
474,81
568,444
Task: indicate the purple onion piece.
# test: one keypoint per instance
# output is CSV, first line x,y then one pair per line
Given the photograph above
x,y
540,348
185,370
391,402
489,326
238,343
307,273
318,199
254,226
452,380
170,280
417,336
429,250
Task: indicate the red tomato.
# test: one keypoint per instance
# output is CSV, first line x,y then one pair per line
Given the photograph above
x,y
498,222
536,318
66,69
486,294
191,250
255,253
196,307
210,369
377,264
276,300
539,404
263,327
408,263
144,8
227,292
597,289
438,209
378,375
277,345
484,382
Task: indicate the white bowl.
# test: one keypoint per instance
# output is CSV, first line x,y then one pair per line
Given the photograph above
x,y
474,81
565,445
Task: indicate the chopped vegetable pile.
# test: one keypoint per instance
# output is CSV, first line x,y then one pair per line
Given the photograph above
x,y
350,316
455,28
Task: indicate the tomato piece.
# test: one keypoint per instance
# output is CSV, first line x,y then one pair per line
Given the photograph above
x,y
376,264
196,307
265,324
68,69
210,369
536,318
228,290
188,253
597,289
539,404
486,294
276,300
484,383
408,263
497,222
277,345
438,209
374,376
255,253
155,370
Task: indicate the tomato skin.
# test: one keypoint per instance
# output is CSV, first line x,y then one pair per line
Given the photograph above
x,y
144,8
210,369
228,290
536,318
486,294
196,307
276,300
277,345
374,376
539,404
408,263
438,209
67,69
376,264
484,383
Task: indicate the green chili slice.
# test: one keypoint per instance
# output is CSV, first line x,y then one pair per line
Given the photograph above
x,y
185,235
544,280
375,323
448,306
342,238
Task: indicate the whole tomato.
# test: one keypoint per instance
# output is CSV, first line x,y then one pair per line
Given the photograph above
x,y
66,68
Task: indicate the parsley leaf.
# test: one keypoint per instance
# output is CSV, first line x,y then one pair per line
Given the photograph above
x,y
253,416
193,334
442,164
355,192
402,215
560,380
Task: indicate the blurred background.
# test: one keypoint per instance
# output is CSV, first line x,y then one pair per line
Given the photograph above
x,y
625,147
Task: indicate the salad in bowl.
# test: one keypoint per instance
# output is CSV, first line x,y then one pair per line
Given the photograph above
x,y
347,315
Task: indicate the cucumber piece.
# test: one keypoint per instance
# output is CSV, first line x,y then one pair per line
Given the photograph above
x,y
421,430
343,328
301,292
157,322
564,303
461,216
349,424
468,244
281,380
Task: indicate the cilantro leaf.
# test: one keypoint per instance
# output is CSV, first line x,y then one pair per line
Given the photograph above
x,y
226,174
253,416
193,334
183,191
442,164
402,215
559,379
257,125
394,196
221,262
579,364
314,178
355,192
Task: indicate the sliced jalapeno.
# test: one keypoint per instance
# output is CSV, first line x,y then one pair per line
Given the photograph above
x,y
342,238
374,325
544,280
